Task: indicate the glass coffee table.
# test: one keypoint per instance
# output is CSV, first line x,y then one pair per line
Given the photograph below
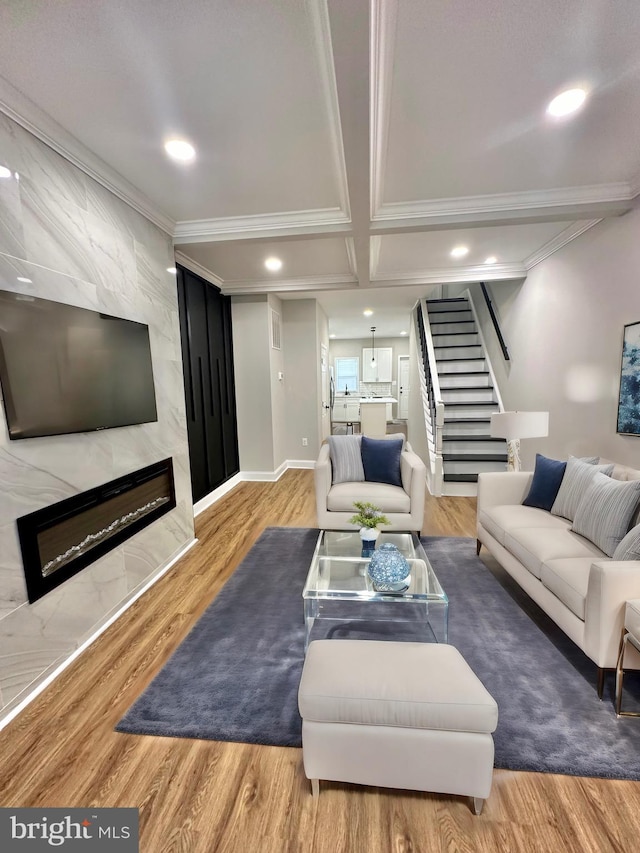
x,y
339,590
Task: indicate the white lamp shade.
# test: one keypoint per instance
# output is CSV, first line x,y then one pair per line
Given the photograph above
x,y
519,424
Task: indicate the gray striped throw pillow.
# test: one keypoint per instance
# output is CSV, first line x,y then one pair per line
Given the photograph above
x,y
346,458
605,511
577,476
629,548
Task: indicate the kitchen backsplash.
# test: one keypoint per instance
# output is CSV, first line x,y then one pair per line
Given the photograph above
x,y
380,388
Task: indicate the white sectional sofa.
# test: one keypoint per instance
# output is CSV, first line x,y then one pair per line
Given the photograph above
x,y
582,589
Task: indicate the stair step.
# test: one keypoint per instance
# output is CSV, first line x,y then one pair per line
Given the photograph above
x,y
471,444
461,365
474,381
461,466
452,339
463,428
448,300
474,457
460,478
477,394
458,351
451,316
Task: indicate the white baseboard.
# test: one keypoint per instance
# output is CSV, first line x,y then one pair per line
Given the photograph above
x,y
216,494
249,477
162,570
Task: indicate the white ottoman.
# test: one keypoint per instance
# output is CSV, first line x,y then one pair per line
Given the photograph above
x,y
396,715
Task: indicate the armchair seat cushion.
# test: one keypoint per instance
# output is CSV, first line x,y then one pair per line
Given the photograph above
x,y
342,496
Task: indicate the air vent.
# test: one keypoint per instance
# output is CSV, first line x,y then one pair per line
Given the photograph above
x,y
275,330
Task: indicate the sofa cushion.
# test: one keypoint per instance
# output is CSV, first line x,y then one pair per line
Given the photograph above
x,y
605,511
381,460
629,547
342,496
577,477
568,580
547,477
498,519
534,546
346,458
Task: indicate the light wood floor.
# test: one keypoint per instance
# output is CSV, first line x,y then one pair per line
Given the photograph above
x,y
204,797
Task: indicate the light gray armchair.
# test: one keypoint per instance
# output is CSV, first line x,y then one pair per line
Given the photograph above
x,y
403,505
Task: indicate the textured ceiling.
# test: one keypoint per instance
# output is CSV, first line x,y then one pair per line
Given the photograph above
x,y
357,140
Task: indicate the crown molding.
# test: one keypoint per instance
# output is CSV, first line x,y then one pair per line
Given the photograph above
x,y
318,12
560,240
40,124
304,283
610,199
198,269
265,225
459,275
383,37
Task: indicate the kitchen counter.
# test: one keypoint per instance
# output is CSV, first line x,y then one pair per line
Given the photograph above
x,y
369,400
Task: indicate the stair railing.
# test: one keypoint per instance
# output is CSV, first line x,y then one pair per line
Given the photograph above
x,y
494,381
494,320
432,403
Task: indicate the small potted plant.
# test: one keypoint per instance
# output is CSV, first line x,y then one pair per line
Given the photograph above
x,y
368,518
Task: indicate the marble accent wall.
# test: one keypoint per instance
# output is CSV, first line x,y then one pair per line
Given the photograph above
x,y
80,244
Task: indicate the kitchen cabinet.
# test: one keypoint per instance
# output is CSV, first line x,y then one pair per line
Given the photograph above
x,y
346,410
383,367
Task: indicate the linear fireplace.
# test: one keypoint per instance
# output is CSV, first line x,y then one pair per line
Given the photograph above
x,y
60,540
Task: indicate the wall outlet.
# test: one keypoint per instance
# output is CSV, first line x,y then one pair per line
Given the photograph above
x,y
305,442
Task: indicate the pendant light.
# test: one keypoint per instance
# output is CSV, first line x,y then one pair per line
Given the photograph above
x,y
373,346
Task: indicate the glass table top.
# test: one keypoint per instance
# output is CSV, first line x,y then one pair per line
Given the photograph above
x,y
339,571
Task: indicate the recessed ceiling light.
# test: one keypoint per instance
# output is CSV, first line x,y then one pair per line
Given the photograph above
x,y
273,264
332,336
180,149
491,260
567,102
403,332
172,270
459,252
24,280
4,172
367,312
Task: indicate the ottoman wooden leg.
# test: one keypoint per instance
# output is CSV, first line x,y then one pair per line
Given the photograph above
x,y
478,803
315,787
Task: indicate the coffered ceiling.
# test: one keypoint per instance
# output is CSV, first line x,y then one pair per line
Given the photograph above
x,y
359,141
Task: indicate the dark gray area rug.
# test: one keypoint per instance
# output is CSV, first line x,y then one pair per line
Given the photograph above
x,y
235,676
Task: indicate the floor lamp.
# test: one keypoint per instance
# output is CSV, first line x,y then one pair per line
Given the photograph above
x,y
516,425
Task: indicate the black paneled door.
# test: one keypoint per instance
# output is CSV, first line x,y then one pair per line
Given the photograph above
x,y
207,358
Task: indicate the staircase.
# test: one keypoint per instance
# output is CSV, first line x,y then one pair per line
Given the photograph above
x,y
467,393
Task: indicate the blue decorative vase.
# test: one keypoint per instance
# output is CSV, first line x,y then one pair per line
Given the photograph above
x,y
389,570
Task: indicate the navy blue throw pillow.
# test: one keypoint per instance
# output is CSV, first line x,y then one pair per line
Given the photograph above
x,y
381,459
547,477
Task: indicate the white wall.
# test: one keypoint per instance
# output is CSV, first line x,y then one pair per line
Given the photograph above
x,y
303,324
81,245
278,392
252,369
563,326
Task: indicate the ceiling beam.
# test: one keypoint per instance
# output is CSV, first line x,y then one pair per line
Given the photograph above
x,y
350,41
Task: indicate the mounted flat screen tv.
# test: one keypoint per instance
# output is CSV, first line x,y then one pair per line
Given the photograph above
x,y
65,369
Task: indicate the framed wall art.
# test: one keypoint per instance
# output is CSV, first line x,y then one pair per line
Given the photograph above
x,y
629,400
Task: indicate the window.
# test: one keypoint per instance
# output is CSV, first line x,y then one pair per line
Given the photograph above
x,y
347,373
